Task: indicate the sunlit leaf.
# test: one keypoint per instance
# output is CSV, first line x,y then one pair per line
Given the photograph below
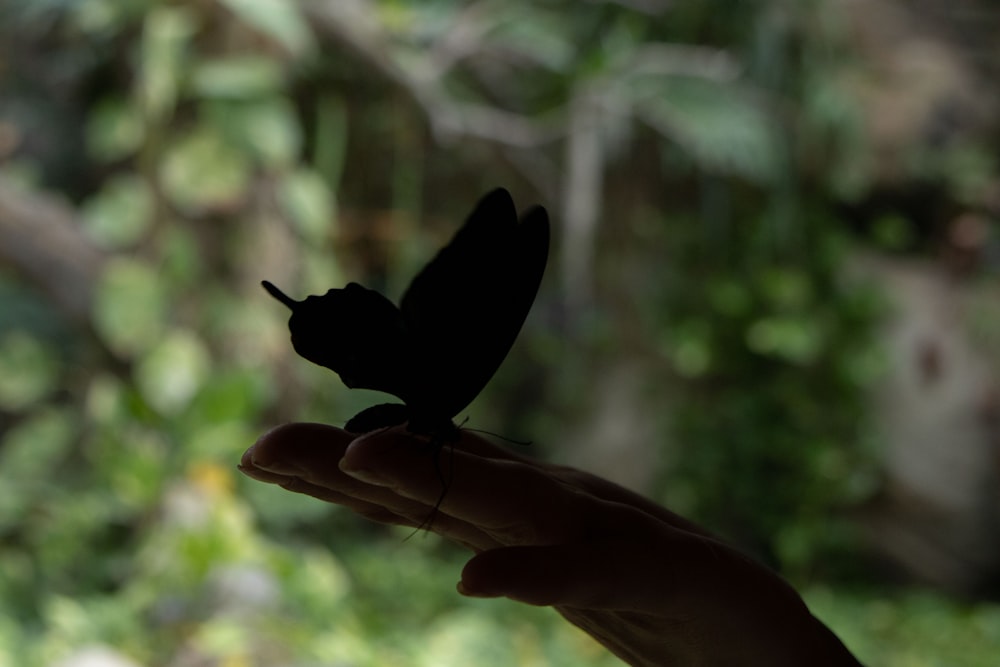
x,y
796,340
130,306
281,20
309,203
120,213
173,371
721,129
237,77
321,268
164,47
221,441
202,171
131,464
105,400
267,129
323,577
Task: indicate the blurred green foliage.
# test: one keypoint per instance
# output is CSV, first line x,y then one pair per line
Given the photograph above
x,y
203,146
778,374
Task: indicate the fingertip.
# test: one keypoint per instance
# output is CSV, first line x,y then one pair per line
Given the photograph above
x,y
469,591
268,452
369,451
517,573
292,448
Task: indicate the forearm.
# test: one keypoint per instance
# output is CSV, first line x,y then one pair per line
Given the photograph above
x,y
644,641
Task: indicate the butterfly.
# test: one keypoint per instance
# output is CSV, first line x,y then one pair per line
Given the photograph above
x,y
453,328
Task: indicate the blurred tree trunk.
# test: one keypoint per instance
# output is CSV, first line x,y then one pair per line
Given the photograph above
x,y
42,240
938,516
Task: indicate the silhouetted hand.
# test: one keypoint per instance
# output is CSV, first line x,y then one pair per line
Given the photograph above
x,y
652,587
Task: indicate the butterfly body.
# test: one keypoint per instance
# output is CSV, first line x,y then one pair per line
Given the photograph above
x,y
453,328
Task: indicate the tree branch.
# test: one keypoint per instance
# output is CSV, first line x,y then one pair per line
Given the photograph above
x,y
41,238
353,24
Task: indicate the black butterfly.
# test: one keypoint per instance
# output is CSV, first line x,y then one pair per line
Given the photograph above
x,y
454,326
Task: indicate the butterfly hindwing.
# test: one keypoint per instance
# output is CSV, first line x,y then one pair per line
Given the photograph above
x,y
378,416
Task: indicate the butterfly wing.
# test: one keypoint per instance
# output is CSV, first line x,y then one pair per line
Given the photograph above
x,y
464,310
378,416
456,323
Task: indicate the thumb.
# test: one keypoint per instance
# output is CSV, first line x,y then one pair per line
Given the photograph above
x,y
575,575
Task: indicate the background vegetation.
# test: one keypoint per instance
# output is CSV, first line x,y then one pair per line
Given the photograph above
x,y
708,168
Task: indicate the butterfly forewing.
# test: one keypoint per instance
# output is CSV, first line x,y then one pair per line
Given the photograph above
x,y
464,310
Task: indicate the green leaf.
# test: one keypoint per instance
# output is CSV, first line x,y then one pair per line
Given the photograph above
x,y
106,401
182,259
102,17
969,170
330,145
893,232
28,371
309,203
792,339
173,371
231,396
280,20
224,442
535,35
31,450
130,306
786,289
267,129
120,214
202,171
729,297
237,77
132,463
114,130
688,347
166,34
719,127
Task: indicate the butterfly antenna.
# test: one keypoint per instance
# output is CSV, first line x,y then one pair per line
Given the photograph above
x,y
279,295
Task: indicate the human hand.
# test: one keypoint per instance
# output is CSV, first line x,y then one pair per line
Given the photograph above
x,y
652,587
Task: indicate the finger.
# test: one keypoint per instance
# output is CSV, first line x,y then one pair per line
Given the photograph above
x,y
637,564
608,490
294,449
368,510
303,458
398,511
293,454
516,502
537,575
590,576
